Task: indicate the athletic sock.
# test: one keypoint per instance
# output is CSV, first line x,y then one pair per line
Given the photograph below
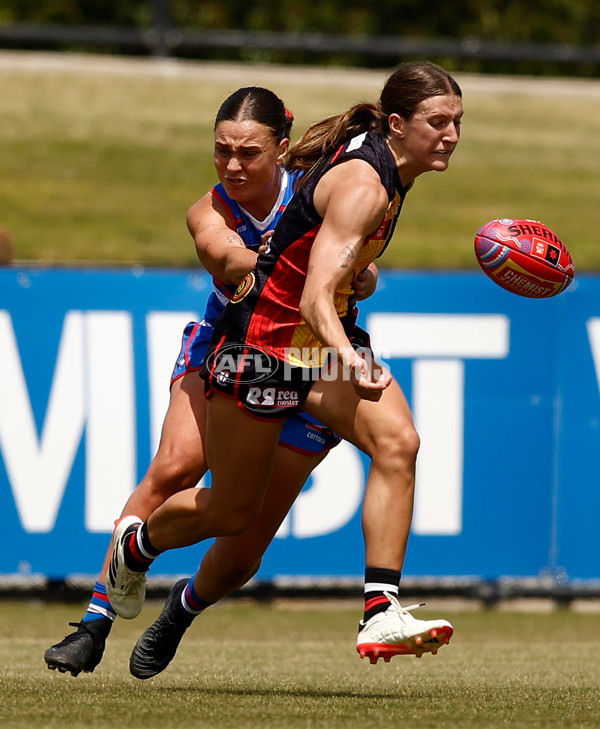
x,y
139,550
191,604
99,606
377,581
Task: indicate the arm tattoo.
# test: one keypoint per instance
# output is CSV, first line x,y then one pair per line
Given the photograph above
x,y
235,240
347,256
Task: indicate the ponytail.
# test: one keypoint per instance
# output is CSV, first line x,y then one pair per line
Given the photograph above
x,y
324,137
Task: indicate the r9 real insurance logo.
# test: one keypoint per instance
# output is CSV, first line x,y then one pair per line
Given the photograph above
x,y
242,363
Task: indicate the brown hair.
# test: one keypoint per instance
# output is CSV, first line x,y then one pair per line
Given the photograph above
x,y
260,105
409,85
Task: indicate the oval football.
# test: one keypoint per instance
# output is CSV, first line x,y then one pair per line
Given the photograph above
x,y
524,257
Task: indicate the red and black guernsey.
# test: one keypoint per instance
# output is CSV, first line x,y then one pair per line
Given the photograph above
x,y
264,310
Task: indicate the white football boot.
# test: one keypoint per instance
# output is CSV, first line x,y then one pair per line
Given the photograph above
x,y
396,632
125,588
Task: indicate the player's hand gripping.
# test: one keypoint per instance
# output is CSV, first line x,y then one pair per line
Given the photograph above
x,y
365,283
368,377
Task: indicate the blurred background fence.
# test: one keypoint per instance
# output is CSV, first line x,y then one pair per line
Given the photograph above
x,y
557,37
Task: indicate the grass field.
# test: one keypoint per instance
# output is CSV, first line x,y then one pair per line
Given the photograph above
x,y
102,157
250,666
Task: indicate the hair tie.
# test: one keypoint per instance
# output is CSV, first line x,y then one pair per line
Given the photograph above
x,y
288,115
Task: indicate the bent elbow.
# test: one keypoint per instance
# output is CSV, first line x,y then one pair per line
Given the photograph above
x,y
302,308
307,309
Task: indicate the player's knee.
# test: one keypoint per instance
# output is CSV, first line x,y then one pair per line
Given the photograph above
x,y
411,442
174,471
231,521
398,446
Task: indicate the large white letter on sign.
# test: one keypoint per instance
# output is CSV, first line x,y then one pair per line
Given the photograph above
x,y
439,343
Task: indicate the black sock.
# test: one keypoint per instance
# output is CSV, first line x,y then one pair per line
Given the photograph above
x,y
139,551
377,581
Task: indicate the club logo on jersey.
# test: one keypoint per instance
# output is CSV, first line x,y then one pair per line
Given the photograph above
x,y
244,288
241,364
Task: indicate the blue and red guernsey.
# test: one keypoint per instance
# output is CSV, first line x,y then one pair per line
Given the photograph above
x,y
264,311
250,231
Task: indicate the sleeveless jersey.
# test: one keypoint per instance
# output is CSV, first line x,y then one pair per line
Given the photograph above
x,y
301,433
264,311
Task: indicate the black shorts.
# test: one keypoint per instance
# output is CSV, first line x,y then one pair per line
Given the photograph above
x,y
261,384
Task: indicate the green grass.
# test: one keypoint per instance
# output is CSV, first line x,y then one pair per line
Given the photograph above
x,y
101,164
248,666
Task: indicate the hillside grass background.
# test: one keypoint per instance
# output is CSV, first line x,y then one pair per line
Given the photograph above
x,y
101,157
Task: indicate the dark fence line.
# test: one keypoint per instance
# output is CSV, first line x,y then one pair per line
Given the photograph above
x,y
163,41
487,593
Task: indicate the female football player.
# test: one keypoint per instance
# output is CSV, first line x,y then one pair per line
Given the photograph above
x,y
252,131
357,170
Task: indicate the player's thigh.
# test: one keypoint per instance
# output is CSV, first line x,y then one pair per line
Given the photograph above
x,y
184,427
369,425
241,451
290,472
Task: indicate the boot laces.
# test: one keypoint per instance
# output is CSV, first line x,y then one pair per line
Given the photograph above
x,y
402,611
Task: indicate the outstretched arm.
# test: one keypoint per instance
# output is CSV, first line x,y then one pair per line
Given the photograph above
x,y
220,249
